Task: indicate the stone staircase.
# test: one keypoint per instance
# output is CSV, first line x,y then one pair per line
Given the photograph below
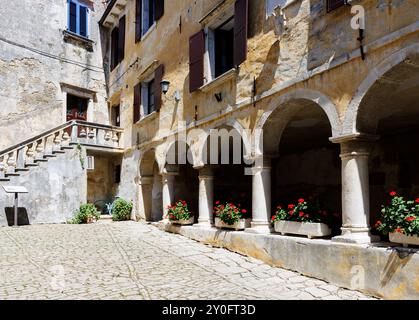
x,y
20,158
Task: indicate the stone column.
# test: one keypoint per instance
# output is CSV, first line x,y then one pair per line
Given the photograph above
x,y
206,197
146,196
261,197
355,192
168,191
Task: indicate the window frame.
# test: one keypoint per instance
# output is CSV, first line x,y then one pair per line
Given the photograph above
x,y
145,97
146,16
78,21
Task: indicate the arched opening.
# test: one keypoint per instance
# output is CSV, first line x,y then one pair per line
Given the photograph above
x,y
305,164
390,110
179,162
150,197
223,157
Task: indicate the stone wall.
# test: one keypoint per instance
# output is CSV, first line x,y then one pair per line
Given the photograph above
x,y
36,65
56,188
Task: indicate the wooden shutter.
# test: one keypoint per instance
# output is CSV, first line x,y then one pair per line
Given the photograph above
x,y
158,78
334,4
159,9
72,17
121,39
114,48
240,31
137,103
83,21
138,19
196,61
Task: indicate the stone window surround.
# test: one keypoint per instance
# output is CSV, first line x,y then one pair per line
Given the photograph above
x,y
78,92
220,14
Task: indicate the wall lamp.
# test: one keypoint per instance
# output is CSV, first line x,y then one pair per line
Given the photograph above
x,y
165,85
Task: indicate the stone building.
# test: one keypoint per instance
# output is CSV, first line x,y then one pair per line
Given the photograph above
x,y
321,93
51,72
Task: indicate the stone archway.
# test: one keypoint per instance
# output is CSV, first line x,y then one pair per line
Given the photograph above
x,y
150,193
386,107
294,139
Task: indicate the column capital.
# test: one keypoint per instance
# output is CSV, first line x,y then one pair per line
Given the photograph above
x,y
355,145
147,180
206,171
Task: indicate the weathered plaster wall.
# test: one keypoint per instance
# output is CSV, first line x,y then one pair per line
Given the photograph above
x,y
34,63
56,188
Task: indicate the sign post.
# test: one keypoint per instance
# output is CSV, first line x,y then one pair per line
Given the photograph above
x,y
16,190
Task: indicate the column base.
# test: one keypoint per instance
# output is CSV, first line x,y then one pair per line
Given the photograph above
x,y
259,228
350,236
203,225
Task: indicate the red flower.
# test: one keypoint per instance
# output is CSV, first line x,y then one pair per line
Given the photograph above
x,y
393,193
301,200
379,223
411,218
273,218
417,200
244,211
217,203
302,214
291,213
399,230
291,206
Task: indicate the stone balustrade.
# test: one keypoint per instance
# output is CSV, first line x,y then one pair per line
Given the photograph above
x,y
48,144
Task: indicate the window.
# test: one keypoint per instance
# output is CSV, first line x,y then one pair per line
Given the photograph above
x,y
118,43
220,47
148,95
116,116
90,163
78,15
334,4
147,13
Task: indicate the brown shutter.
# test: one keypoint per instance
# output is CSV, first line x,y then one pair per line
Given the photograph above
x,y
240,31
334,4
159,9
114,48
158,78
137,103
196,61
138,19
121,39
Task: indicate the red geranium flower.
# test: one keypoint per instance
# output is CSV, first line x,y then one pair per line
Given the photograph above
x,y
379,223
302,214
291,213
301,200
393,193
399,230
411,218
417,200
217,203
244,211
273,218
291,206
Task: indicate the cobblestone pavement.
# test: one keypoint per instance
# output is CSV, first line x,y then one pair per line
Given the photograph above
x,y
137,261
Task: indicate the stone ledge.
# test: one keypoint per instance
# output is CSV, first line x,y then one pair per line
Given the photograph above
x,y
390,272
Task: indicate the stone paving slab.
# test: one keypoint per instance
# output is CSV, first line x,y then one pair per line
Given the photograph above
x,y
131,260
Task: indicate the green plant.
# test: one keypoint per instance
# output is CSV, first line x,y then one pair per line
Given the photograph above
x,y
229,213
301,212
121,210
399,216
81,158
178,211
86,214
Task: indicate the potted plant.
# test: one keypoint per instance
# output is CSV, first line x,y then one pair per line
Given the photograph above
x,y
121,210
230,216
400,220
180,214
86,214
299,219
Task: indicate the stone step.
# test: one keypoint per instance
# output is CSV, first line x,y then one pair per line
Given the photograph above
x,y
67,148
22,169
58,152
40,160
12,174
46,156
29,165
4,179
